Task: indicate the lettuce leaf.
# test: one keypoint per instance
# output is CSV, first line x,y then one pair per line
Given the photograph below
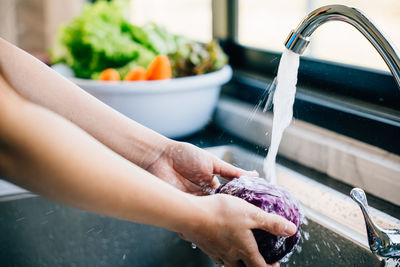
x,y
101,37
96,40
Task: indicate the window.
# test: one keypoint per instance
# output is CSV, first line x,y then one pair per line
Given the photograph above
x,y
266,24
191,18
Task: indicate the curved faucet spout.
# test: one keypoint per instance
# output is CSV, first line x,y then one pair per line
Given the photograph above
x,y
298,39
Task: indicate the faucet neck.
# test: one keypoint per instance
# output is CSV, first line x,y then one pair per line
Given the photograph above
x,y
299,38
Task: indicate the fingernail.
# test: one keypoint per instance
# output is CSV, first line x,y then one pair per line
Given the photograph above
x,y
290,229
253,173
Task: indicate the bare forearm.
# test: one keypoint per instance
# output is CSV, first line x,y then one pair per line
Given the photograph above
x,y
65,164
41,85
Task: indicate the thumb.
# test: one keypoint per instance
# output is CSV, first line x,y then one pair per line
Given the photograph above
x,y
272,223
229,171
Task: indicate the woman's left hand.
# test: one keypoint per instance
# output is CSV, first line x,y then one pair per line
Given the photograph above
x,y
192,169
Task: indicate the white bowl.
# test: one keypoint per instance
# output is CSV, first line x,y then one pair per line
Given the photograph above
x,y
175,108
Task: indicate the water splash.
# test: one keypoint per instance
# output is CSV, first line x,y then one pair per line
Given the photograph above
x,y
283,100
266,97
392,262
271,93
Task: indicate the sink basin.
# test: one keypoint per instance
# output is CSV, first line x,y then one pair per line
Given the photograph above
x,y
38,232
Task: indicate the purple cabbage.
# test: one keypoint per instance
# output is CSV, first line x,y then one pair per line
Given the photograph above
x,y
273,199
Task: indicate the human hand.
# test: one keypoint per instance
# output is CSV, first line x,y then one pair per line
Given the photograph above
x,y
223,230
192,169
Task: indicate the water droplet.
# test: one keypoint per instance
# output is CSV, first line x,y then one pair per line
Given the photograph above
x,y
49,212
306,235
20,219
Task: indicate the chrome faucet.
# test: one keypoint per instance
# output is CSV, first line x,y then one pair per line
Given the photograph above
x,y
384,243
298,39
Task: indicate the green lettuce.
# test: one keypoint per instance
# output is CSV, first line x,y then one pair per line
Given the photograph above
x,y
97,40
196,59
101,37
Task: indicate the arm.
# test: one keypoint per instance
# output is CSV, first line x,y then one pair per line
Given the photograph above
x,y
63,163
140,145
41,85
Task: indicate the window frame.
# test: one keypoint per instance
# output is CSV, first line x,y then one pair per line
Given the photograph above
x,y
358,102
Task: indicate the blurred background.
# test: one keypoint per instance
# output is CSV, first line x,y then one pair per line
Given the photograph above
x,y
264,24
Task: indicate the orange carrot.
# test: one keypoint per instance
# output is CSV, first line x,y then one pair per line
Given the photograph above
x,y
109,75
136,74
159,68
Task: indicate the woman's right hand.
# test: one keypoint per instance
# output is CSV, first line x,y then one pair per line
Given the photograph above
x,y
224,231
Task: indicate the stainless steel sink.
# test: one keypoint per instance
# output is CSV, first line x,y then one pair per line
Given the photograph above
x,y
37,232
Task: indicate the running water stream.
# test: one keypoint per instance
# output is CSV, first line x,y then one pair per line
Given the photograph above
x,y
283,100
